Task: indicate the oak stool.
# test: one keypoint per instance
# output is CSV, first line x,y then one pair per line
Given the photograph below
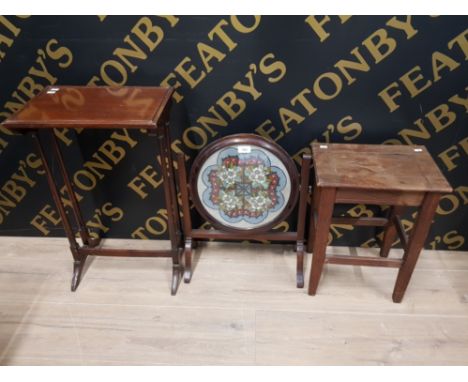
x,y
398,176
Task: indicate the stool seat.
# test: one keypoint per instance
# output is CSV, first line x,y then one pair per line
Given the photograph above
x,y
397,176
377,167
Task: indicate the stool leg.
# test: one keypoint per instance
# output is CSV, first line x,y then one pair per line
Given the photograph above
x,y
390,232
314,197
325,203
415,244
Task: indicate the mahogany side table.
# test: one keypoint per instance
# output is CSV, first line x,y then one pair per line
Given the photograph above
x,y
398,176
102,108
244,185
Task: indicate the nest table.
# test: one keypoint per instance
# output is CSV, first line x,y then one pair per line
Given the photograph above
x,y
101,108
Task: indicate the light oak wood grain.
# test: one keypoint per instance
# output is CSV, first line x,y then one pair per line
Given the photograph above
x,y
242,307
359,339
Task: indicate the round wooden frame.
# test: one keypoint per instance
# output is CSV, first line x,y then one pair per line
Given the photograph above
x,y
245,139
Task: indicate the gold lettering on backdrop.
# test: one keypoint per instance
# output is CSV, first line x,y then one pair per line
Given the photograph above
x,y
415,80
360,64
300,98
65,197
439,118
333,83
451,157
195,137
186,72
380,45
346,127
329,85
460,42
415,84
404,25
100,220
154,226
317,24
452,240
109,154
48,217
143,39
441,61
9,31
39,76
449,203
268,130
232,103
192,70
207,54
16,188
148,176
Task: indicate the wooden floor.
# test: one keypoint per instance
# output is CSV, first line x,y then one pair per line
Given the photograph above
x,y
242,308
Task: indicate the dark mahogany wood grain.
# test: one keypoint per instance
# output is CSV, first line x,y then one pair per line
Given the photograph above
x,y
92,108
79,107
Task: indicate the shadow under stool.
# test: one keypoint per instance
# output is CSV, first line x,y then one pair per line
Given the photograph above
x,y
397,176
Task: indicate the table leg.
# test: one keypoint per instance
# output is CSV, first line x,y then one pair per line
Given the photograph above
x,y
170,192
188,259
78,266
300,249
170,196
186,219
78,259
301,216
177,270
415,244
325,211
390,232
84,234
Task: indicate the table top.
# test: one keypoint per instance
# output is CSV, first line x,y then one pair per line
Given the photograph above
x,y
377,167
89,107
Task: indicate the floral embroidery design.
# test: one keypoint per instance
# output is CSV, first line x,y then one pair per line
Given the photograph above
x,y
243,186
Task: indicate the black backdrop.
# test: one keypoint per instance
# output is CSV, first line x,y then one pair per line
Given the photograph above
x,y
294,79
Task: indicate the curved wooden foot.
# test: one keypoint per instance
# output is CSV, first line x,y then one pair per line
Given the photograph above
x,y
188,260
77,270
93,243
176,273
300,264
